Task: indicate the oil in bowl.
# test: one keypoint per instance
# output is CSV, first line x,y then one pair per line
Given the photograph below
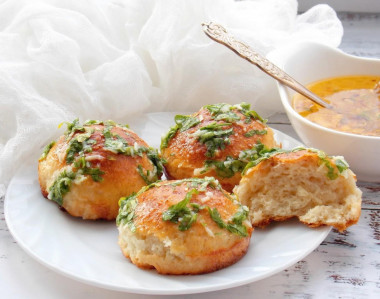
x,y
355,104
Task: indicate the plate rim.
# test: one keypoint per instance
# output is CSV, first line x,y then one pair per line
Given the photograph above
x,y
141,291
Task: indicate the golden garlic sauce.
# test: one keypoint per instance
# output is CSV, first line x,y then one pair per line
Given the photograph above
x,y
355,101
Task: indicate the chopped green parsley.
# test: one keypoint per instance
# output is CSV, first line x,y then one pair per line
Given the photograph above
x,y
200,183
94,172
214,136
127,207
61,186
250,114
116,144
255,132
185,212
183,123
225,112
157,162
46,150
231,165
63,182
149,177
340,164
78,145
226,168
261,153
80,142
72,127
236,224
127,211
181,213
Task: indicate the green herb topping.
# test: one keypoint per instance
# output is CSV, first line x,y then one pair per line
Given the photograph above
x,y
226,168
78,145
185,212
235,225
200,183
260,153
255,132
183,123
214,136
150,176
80,142
61,186
224,111
116,144
127,211
105,123
181,213
230,166
127,207
341,164
47,149
72,127
84,167
250,114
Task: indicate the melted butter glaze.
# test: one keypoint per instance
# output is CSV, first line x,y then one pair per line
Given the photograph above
x,y
355,101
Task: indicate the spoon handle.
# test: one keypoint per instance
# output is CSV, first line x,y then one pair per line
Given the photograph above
x,y
219,34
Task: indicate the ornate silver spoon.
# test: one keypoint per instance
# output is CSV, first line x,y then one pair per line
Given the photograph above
x,y
219,34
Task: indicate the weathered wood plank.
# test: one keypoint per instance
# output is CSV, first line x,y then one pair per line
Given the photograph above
x,y
278,118
371,195
361,34
345,265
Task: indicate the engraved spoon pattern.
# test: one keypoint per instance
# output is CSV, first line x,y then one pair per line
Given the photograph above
x,y
219,34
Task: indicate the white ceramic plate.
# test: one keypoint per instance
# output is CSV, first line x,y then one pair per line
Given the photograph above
x,y
87,250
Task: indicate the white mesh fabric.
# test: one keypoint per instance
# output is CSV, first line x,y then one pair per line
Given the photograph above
x,y
112,59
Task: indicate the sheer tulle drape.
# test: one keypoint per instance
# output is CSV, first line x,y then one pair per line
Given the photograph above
x,y
115,59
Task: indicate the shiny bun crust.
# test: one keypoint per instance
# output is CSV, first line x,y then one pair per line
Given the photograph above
x,y
87,174
200,145
155,232
307,184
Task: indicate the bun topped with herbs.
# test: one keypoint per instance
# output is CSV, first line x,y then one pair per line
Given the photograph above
x,y
189,226
304,183
216,141
91,166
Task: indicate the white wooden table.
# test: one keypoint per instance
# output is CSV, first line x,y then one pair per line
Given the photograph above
x,y
345,265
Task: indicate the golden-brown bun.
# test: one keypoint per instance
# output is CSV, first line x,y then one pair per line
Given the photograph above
x,y
296,184
87,198
186,156
159,244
